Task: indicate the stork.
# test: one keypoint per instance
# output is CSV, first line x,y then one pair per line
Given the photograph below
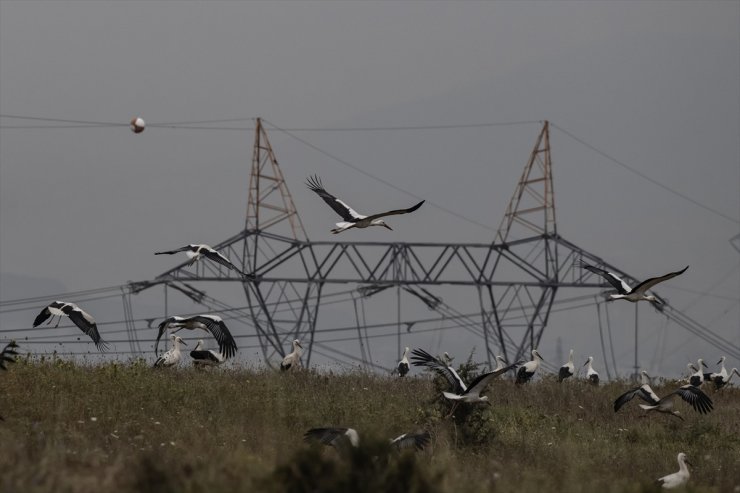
x,y
206,357
690,394
351,218
568,369
624,291
171,357
720,381
500,362
677,479
342,438
80,317
527,370
403,365
591,374
196,251
292,360
8,354
210,323
472,393
697,378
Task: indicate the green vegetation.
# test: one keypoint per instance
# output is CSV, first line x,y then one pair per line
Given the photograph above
x,y
129,428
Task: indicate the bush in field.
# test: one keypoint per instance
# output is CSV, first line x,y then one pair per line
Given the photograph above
x,y
371,467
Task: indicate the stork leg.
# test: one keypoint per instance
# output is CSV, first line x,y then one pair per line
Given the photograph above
x,y
454,406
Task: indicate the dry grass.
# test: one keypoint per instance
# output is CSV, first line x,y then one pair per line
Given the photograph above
x,y
126,427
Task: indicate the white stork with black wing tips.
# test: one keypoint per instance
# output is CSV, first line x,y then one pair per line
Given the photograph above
x,y
80,317
210,323
351,218
677,479
419,357
206,357
690,394
472,393
698,377
568,369
293,359
8,354
525,372
195,252
341,438
171,357
403,365
591,374
624,291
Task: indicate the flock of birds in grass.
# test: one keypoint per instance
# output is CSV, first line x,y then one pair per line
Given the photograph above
x,y
459,391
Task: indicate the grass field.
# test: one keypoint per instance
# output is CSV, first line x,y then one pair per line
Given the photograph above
x,y
126,427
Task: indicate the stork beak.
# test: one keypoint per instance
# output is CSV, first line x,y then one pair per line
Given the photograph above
x,y
689,463
384,224
705,365
584,364
183,342
718,362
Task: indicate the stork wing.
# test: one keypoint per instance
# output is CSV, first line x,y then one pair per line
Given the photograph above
x,y
649,283
188,248
694,396
419,357
219,258
41,317
408,440
479,384
204,355
87,324
217,327
644,392
347,213
327,436
8,354
162,328
616,281
396,212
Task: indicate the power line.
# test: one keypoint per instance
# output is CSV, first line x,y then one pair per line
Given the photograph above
x,y
646,177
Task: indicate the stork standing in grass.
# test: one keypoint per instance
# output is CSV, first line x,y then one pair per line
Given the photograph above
x,y
528,369
677,479
625,292
342,438
80,317
292,360
351,218
690,394
8,354
196,251
697,379
591,374
206,357
403,365
171,357
210,323
720,381
568,369
500,363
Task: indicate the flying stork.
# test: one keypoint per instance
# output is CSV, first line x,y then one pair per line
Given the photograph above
x,y
403,365
624,292
195,252
677,479
351,218
568,369
472,393
591,374
293,359
211,323
171,357
80,317
341,438
692,395
527,370
206,357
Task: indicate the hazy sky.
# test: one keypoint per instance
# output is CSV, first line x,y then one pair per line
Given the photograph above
x,y
655,85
